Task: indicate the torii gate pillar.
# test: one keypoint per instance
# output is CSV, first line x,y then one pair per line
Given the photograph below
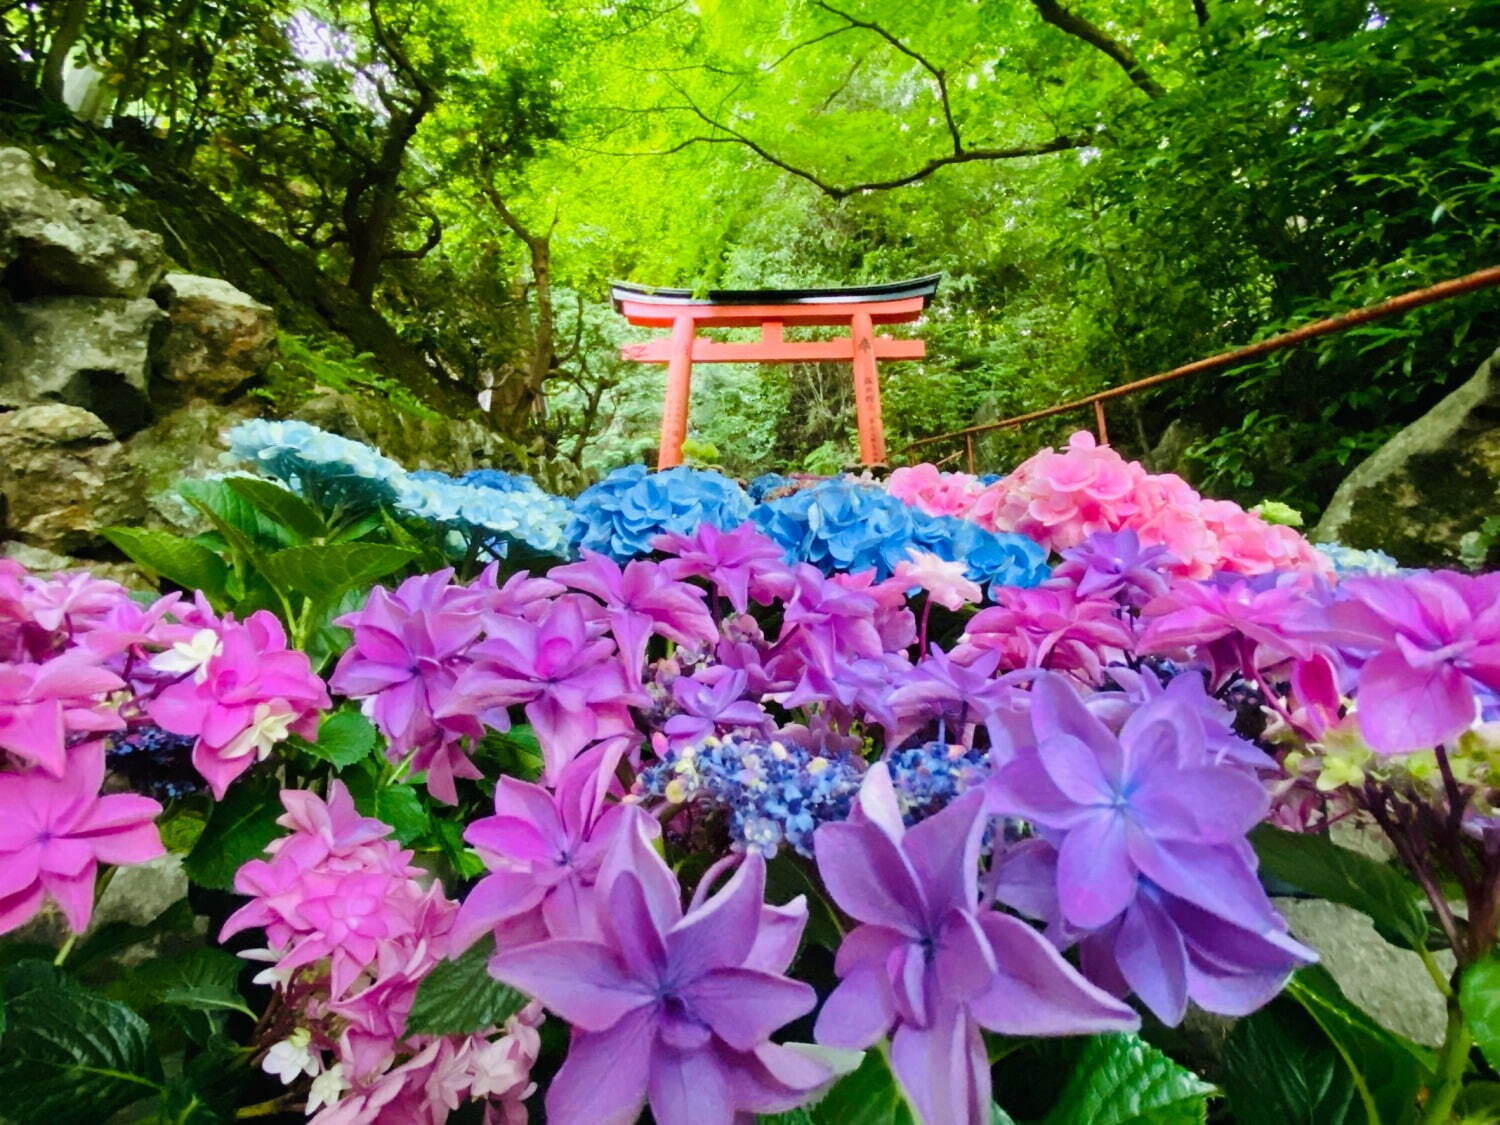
x,y
859,307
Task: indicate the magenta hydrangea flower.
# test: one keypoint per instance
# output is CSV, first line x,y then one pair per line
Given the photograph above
x,y
712,701
640,599
409,648
670,1007
741,564
1047,627
43,705
1430,643
544,850
58,829
241,692
930,965
568,677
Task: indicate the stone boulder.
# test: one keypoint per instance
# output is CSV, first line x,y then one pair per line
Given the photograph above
x,y
53,242
62,478
1418,494
90,352
218,337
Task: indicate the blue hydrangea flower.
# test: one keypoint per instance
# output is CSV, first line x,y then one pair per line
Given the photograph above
x,y
765,484
1349,562
773,792
499,480
840,525
322,466
991,478
520,512
992,558
624,512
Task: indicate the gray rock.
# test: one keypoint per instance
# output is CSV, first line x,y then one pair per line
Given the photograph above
x,y
1419,493
185,442
219,337
59,243
63,477
1389,983
90,352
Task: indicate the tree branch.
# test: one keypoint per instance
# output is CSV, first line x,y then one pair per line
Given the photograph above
x,y
836,191
1200,10
1075,25
935,71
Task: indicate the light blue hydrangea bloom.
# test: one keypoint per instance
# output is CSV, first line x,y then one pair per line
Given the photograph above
x,y
324,467
522,512
624,512
1350,562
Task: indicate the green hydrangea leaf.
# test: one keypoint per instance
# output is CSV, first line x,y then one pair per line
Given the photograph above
x,y
459,997
238,830
71,1057
1121,1080
1479,996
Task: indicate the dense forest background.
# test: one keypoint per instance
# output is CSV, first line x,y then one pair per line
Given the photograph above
x,y
436,192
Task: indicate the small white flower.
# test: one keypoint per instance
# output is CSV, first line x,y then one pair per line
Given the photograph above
x,y
327,1088
291,1058
191,655
266,729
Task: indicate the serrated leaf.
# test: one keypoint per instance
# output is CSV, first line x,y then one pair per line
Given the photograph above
x,y
281,504
188,564
238,830
324,572
1387,1069
459,997
1280,1069
1479,997
344,738
1320,867
1122,1080
71,1057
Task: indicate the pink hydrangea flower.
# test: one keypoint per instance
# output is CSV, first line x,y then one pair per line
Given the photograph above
x,y
58,829
1047,627
935,492
43,705
241,699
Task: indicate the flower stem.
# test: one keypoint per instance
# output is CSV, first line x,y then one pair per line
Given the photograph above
x,y
67,947
1453,1058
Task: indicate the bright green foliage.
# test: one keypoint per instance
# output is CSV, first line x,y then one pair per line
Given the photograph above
x,y
1120,1080
459,996
1189,177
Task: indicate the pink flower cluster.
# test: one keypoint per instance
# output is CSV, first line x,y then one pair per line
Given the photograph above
x,y
55,701
1060,498
351,932
79,658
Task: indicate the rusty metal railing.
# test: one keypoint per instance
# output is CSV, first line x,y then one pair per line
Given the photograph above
x,y
1405,302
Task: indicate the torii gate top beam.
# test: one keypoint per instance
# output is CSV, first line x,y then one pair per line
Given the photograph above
x,y
858,306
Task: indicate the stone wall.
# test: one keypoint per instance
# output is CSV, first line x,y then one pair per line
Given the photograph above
x,y
118,376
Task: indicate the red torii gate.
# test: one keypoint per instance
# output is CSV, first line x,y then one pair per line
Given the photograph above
x,y
861,307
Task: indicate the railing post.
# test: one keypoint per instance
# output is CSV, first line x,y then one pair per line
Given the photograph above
x,y
1099,422
674,412
867,391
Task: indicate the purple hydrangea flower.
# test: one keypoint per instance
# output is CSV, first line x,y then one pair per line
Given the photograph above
x,y
742,564
1134,816
670,1007
1114,564
931,966
1431,644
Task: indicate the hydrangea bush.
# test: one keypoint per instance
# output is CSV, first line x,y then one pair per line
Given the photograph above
x,y
941,799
